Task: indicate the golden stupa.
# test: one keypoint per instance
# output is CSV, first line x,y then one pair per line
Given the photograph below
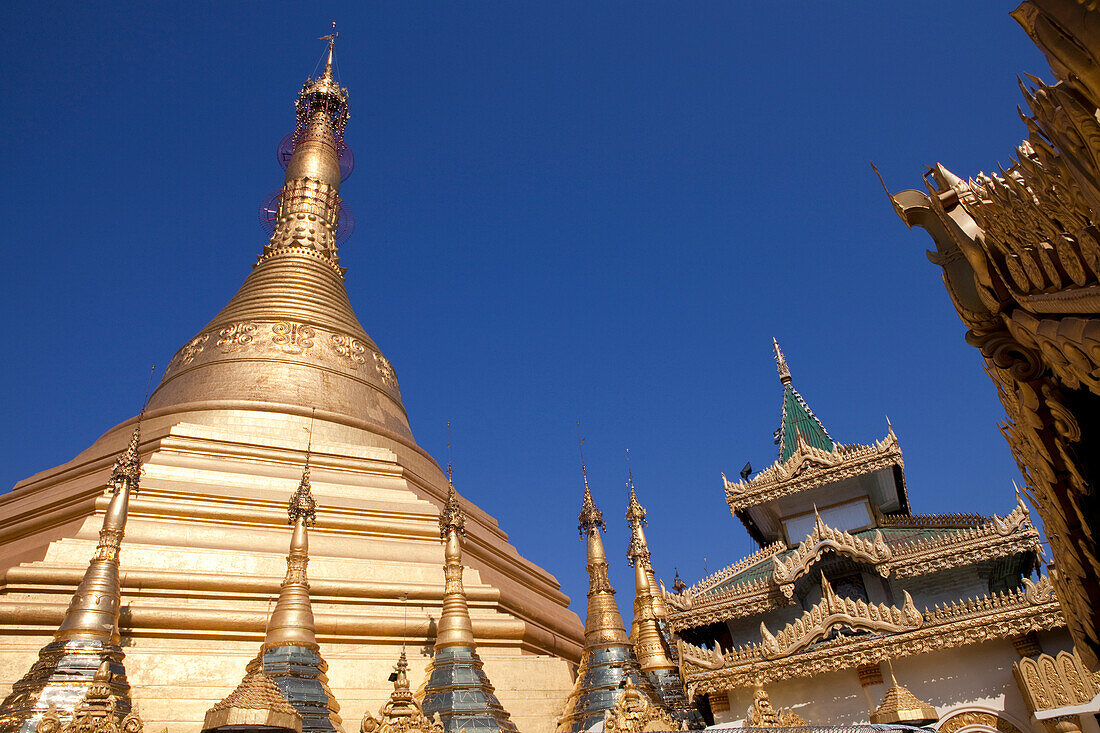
x,y
222,446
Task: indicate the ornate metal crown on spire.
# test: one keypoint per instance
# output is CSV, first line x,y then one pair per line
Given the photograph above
x,y
452,517
324,95
302,503
127,465
590,517
635,515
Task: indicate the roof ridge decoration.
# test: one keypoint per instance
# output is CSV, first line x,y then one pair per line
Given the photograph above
x,y
821,538
798,425
683,600
634,713
762,714
833,611
809,467
995,538
1033,607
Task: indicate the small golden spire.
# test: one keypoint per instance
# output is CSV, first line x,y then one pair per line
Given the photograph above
x,y
900,706
291,623
649,606
781,363
95,606
455,627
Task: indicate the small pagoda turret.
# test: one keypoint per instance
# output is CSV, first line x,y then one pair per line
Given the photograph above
x,y
649,628
457,688
608,659
290,655
82,666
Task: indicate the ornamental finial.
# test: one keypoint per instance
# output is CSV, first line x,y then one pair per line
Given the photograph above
x,y
635,512
590,517
781,363
451,518
331,38
302,503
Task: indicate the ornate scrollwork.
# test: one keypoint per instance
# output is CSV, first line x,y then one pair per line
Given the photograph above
x,y
831,612
349,348
236,336
292,338
385,370
821,538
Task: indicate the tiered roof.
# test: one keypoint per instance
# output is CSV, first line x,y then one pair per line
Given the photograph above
x,y
914,545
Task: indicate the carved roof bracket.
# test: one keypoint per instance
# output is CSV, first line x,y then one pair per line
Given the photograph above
x,y
874,552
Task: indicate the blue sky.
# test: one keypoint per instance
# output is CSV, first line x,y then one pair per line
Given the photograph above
x,y
565,211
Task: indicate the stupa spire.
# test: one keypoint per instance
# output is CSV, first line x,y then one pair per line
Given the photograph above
x,y
649,631
85,650
290,655
608,657
291,622
457,688
798,423
289,337
401,713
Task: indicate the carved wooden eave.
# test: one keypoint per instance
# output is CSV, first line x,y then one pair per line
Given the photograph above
x,y
823,538
996,537
894,633
810,467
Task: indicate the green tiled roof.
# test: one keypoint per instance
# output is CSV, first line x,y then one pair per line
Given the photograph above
x,y
798,419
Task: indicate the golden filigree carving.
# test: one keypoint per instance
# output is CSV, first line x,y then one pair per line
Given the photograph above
x,y
1048,682
761,714
793,653
385,370
958,721
292,338
236,336
831,612
349,348
634,713
810,467
821,538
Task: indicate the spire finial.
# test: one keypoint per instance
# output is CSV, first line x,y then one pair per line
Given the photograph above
x,y
450,472
635,512
302,503
331,38
590,517
781,363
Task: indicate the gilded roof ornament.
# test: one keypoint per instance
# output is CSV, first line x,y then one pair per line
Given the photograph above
x,y
256,701
401,713
761,714
96,712
781,364
635,713
451,517
900,706
128,465
302,504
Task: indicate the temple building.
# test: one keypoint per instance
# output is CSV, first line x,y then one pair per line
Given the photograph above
x,y
222,445
1020,255
857,610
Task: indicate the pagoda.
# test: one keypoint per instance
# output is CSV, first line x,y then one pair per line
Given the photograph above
x,y
649,630
84,659
847,578
457,688
609,660
221,442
